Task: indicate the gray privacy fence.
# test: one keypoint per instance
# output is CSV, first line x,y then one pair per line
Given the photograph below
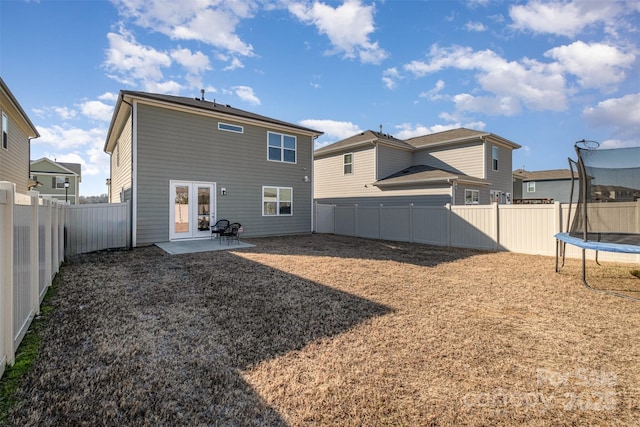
x,y
33,232
528,229
98,226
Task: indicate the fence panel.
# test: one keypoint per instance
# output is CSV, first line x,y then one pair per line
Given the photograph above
x,y
6,264
473,227
368,220
324,219
395,223
345,220
528,229
431,225
96,227
23,310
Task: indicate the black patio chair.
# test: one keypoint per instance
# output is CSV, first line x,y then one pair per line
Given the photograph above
x,y
219,227
232,232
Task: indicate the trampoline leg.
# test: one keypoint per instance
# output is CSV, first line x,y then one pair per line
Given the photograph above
x,y
584,267
560,248
597,262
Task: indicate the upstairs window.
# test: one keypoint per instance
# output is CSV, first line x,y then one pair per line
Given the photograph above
x,y
5,132
281,148
494,158
348,163
58,182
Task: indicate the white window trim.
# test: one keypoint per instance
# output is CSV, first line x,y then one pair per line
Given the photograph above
x,y
531,187
277,200
495,160
5,130
295,150
344,163
240,129
477,192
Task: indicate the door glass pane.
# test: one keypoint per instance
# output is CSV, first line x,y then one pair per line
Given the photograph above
x,y
182,209
204,197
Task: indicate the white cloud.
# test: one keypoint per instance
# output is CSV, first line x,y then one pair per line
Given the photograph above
x,y
246,94
235,63
566,18
509,84
333,130
347,26
194,62
434,94
109,96
621,115
475,27
65,113
65,137
596,65
390,77
210,22
408,130
130,63
97,110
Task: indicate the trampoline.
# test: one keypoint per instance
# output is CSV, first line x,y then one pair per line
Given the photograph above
x,y
606,179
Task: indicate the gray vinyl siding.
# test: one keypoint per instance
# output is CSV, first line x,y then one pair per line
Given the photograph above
x,y
121,170
392,160
175,145
558,190
330,180
14,161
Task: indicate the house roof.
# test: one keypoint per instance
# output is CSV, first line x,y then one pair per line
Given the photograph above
x,y
64,168
367,137
196,104
545,175
455,136
33,132
423,174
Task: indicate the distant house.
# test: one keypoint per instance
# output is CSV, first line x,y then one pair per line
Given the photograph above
x,y
57,179
15,147
544,186
184,163
459,166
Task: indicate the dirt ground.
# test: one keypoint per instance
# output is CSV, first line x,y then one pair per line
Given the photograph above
x,y
329,330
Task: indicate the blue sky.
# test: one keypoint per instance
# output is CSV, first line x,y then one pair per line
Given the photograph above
x,y
540,73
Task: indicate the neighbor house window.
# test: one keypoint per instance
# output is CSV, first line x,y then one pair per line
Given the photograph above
x,y
471,197
277,201
281,148
531,187
57,182
5,132
230,128
348,163
494,158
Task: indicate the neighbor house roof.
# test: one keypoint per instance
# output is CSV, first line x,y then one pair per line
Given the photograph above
x,y
195,104
365,138
63,168
455,136
546,175
423,174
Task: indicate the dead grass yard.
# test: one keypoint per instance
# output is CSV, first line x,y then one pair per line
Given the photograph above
x,y
329,330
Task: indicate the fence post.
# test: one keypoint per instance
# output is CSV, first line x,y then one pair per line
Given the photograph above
x,y
6,272
34,245
411,222
449,214
355,220
380,223
496,226
48,234
557,217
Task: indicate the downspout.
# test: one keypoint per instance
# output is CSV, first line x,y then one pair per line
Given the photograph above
x,y
453,184
313,183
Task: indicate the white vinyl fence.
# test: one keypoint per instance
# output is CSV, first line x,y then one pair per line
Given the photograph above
x,y
31,251
525,229
33,231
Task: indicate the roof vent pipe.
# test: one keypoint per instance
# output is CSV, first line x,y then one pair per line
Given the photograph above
x,y
202,94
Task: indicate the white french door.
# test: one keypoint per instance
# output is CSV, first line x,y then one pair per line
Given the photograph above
x,y
192,207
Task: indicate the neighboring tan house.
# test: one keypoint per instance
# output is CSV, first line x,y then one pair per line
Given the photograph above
x,y
184,163
459,166
15,147
547,186
57,179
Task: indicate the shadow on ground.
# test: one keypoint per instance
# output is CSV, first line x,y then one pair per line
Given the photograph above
x,y
145,338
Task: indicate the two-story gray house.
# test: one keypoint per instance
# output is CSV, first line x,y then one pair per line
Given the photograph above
x,y
15,146
459,166
184,163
